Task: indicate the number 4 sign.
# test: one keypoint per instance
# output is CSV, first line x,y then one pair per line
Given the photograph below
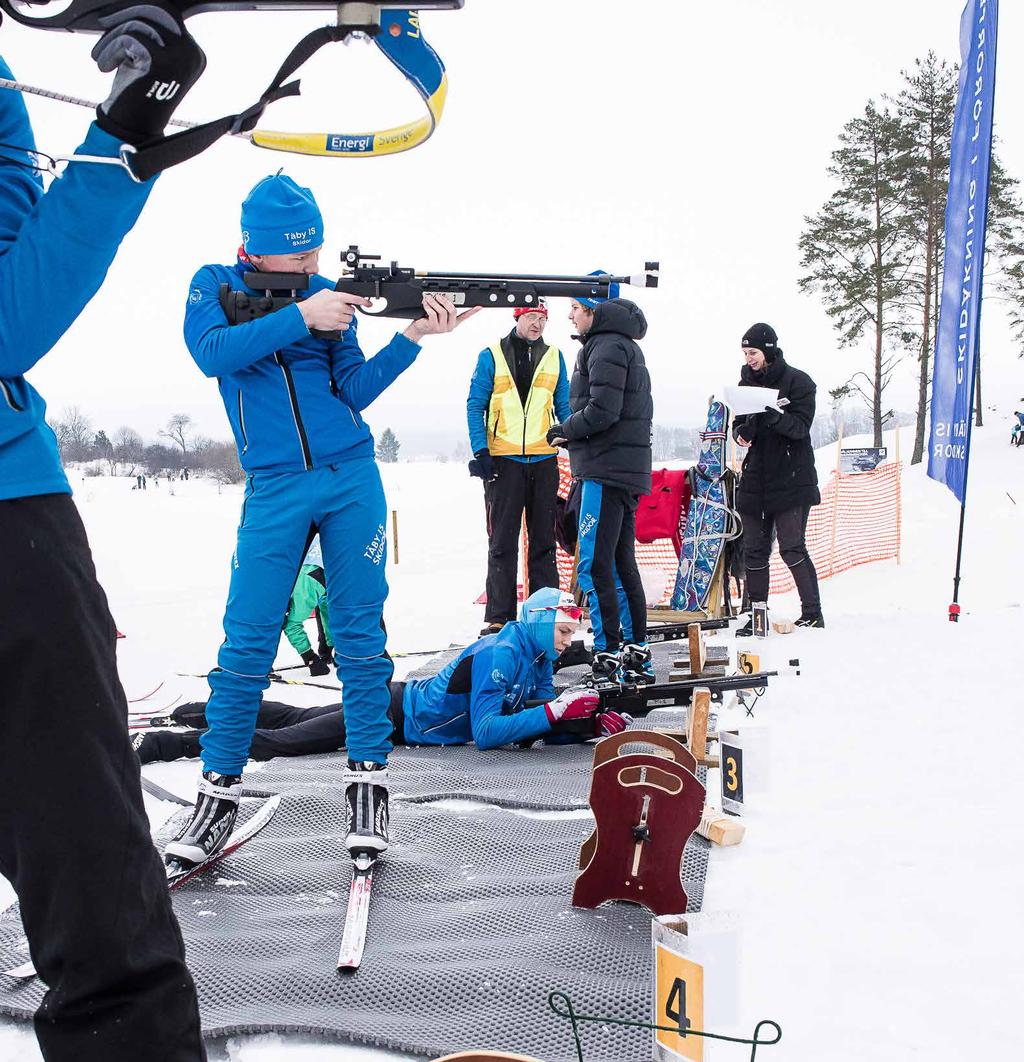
x,y
678,1001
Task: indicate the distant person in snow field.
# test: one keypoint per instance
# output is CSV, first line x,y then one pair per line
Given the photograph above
x,y
309,597
778,484
293,400
74,835
479,696
518,390
608,435
1017,433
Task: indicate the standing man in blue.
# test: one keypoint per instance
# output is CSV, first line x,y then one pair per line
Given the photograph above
x,y
293,400
519,389
608,436
74,835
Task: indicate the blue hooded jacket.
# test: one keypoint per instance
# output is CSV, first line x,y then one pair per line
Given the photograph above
x,y
480,695
79,223
293,400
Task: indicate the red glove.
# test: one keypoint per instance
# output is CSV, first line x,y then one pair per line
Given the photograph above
x,y
572,704
612,722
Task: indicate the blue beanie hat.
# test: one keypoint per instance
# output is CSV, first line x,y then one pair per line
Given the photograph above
x,y
280,217
591,303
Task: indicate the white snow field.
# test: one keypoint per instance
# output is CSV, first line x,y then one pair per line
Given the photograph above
x,y
876,894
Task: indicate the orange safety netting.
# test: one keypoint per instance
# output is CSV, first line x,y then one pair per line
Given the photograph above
x,y
857,522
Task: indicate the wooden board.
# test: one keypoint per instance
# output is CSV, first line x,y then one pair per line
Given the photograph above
x,y
721,829
486,1056
695,637
697,723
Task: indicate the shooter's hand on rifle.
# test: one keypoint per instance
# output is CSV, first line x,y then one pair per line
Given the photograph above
x,y
440,317
609,723
330,311
572,704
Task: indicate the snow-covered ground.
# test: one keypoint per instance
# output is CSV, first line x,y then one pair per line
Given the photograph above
x,y
876,895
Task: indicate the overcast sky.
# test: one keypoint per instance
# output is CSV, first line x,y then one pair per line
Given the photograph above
x,y
576,137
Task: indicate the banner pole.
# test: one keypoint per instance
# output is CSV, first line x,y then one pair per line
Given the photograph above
x,y
954,608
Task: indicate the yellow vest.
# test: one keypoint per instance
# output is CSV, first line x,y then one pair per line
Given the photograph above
x,y
511,427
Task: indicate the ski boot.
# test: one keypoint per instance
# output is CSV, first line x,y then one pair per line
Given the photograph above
x,y
366,790
606,668
637,668
746,630
213,818
811,619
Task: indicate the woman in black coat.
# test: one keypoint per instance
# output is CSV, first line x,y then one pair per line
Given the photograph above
x,y
779,484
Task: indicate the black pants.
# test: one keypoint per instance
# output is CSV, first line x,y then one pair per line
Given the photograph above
x,y
759,531
74,837
281,730
519,486
606,566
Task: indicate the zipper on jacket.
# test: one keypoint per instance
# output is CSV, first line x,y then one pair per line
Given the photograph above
x,y
301,431
241,422
10,398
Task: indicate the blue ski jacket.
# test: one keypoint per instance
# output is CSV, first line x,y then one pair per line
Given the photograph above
x,y
79,224
293,400
479,696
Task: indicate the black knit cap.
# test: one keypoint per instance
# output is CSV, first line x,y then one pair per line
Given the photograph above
x,y
761,336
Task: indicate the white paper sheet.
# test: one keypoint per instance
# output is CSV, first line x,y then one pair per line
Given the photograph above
x,y
743,400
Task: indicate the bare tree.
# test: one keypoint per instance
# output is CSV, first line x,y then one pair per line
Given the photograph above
x,y
128,447
74,434
178,430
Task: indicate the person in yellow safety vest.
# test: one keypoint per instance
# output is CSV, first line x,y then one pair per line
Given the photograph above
x,y
518,390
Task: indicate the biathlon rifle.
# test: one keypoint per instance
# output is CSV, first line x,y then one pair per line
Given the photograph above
x,y
399,290
392,25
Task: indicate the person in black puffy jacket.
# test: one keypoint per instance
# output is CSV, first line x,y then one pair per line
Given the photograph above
x,y
608,436
778,485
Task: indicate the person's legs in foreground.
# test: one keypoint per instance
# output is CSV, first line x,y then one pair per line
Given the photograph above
x,y
791,526
601,515
758,535
103,935
272,538
541,494
505,498
352,514
637,666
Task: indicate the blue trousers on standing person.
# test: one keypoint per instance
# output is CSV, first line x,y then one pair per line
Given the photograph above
x,y
606,567
280,512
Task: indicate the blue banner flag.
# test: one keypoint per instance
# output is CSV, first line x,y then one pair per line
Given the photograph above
x,y
956,340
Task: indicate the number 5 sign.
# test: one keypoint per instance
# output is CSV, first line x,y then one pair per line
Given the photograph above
x,y
678,1001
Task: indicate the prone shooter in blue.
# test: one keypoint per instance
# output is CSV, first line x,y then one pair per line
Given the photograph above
x,y
484,695
294,401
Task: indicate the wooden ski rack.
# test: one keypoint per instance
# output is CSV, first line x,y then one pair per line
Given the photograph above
x,y
646,805
703,659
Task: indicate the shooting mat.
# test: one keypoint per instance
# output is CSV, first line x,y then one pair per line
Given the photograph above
x,y
471,924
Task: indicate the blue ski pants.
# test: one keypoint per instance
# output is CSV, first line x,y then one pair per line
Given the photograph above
x,y
606,568
345,503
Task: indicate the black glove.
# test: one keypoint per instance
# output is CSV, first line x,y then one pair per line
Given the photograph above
x,y
577,653
556,435
314,663
482,465
771,415
157,62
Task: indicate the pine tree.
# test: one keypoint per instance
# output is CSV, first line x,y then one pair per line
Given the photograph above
x,y
388,447
925,108
857,250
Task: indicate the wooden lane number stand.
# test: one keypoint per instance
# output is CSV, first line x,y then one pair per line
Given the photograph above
x,y
646,806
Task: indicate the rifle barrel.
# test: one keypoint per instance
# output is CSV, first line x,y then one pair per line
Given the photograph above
x,y
529,278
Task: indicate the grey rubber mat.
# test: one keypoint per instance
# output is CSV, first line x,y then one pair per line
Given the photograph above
x,y
471,920
471,927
